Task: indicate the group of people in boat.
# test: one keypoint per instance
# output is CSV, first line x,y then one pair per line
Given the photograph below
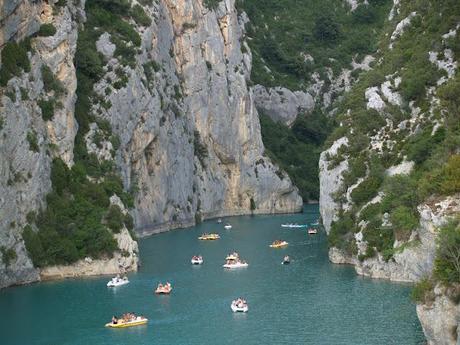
x,y
163,288
127,317
240,303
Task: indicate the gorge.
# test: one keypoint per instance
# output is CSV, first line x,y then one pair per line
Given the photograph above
x,y
121,119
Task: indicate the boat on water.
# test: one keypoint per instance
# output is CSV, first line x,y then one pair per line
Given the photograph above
x,y
209,237
117,281
290,225
163,289
227,226
239,306
219,221
127,320
278,244
312,231
197,260
231,264
286,260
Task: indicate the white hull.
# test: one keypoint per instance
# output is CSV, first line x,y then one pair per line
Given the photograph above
x,y
196,262
292,226
227,227
119,283
231,266
236,309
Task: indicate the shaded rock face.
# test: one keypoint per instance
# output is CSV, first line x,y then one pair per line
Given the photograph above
x,y
190,138
281,104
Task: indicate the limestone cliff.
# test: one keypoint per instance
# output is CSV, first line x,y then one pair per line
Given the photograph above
x,y
189,136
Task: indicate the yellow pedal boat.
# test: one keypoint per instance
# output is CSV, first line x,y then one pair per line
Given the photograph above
x,y
278,244
123,324
209,237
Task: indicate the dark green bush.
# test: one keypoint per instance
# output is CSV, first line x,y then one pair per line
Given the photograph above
x,y
366,190
8,255
423,291
33,141
139,16
114,219
50,82
14,61
46,30
47,108
404,220
447,261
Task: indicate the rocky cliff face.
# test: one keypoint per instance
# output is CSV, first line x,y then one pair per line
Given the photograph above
x,y
27,142
190,139
189,134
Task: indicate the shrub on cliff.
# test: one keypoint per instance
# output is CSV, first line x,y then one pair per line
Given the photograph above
x,y
423,291
14,60
447,262
46,30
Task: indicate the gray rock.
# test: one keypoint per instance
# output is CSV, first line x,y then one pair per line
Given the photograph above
x,y
105,46
282,104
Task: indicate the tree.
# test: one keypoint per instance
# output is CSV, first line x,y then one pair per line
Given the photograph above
x,y
447,262
326,28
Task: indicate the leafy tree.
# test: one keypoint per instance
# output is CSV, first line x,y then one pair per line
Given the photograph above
x,y
447,262
326,28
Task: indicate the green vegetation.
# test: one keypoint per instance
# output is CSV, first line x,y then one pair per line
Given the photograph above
x,y
33,142
447,262
14,60
46,30
283,32
8,255
50,82
79,220
139,16
297,150
423,291
47,108
200,149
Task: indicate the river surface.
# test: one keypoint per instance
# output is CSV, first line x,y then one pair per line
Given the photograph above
x,y
310,301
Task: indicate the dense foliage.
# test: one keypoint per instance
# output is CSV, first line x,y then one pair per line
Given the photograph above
x,y
284,32
14,60
433,145
297,149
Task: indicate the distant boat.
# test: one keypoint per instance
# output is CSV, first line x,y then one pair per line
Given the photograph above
x,y
197,260
121,323
290,225
227,226
163,289
209,237
286,260
117,281
312,231
239,306
219,221
278,244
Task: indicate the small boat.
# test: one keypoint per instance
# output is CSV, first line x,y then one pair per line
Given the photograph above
x,y
231,264
278,244
239,306
197,260
286,260
227,226
163,289
209,237
219,221
312,231
233,256
117,281
123,323
290,225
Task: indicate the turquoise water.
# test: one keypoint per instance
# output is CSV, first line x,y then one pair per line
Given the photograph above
x,y
308,302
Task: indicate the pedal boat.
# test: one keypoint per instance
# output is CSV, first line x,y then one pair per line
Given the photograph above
x,y
197,260
117,281
279,244
209,237
123,324
239,307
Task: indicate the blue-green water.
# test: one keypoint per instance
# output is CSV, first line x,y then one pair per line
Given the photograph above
x,y
308,302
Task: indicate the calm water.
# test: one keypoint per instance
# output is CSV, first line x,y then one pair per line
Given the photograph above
x,y
308,302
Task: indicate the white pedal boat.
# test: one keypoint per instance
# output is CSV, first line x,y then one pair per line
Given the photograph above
x,y
236,265
117,281
227,226
239,307
197,260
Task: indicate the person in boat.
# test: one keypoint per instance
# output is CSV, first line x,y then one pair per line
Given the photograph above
x,y
114,320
